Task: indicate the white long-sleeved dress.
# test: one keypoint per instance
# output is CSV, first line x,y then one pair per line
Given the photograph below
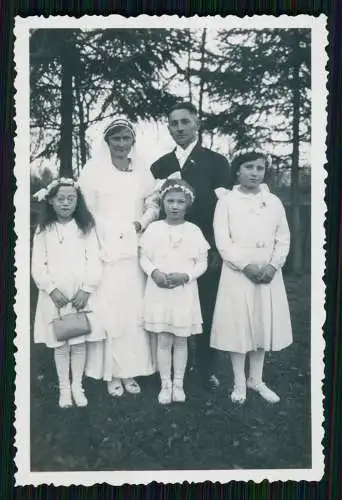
x,y
116,199
251,228
168,248
65,258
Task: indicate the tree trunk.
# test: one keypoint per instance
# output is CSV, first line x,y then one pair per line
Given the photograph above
x,y
65,146
82,128
78,160
201,87
188,75
297,254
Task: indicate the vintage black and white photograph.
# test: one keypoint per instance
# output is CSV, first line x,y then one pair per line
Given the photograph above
x,y
169,214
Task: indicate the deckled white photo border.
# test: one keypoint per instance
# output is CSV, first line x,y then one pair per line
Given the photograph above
x,y
24,475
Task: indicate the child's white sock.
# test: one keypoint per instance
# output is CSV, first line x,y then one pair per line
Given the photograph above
x,y
180,359
78,358
238,364
62,362
256,365
164,356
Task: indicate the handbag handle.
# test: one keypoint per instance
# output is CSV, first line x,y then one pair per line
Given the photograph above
x,y
86,311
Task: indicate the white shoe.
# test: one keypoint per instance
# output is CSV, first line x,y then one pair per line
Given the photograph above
x,y
115,388
165,395
238,395
178,394
65,400
78,395
265,392
131,385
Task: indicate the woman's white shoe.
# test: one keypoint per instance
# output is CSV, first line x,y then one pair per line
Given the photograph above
x,y
115,388
131,385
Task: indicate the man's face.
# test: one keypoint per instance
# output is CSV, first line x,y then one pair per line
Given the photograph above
x,y
183,127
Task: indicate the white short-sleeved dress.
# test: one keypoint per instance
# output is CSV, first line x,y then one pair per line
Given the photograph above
x,y
251,228
65,258
173,248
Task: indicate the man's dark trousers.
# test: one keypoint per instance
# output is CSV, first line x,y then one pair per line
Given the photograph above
x,y
205,171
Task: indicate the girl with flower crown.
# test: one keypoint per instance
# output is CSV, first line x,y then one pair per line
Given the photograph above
x,y
66,268
119,193
173,255
251,313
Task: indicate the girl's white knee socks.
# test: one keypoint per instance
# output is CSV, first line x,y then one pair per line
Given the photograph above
x,y
238,364
180,358
164,356
78,358
62,362
256,365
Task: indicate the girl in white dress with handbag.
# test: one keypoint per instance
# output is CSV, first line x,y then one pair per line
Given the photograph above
x,y
173,255
67,270
119,193
251,313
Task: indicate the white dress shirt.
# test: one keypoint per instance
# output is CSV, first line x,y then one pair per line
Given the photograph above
x,y
183,154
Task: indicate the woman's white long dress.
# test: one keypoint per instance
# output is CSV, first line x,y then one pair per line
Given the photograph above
x,y
116,199
251,228
64,258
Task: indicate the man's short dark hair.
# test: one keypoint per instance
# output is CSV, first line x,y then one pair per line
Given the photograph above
x,y
184,105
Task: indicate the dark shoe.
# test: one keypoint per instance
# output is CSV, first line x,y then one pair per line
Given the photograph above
x,y
213,382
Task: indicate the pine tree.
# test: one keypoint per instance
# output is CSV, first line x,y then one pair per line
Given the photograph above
x,y
81,77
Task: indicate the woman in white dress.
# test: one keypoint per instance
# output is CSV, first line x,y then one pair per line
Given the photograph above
x,y
251,313
118,192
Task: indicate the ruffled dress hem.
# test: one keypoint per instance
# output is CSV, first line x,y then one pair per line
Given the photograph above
x,y
180,331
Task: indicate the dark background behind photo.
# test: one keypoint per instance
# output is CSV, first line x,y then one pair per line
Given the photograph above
x,y
328,487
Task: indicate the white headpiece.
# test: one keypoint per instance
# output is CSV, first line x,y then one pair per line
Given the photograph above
x,y
172,187
99,168
43,193
119,122
259,151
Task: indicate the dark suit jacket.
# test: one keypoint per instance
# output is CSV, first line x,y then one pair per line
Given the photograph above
x,y
205,171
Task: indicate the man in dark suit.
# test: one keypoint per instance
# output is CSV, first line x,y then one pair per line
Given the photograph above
x,y
208,173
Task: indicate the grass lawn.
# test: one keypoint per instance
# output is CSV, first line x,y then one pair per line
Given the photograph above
x,y
207,432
